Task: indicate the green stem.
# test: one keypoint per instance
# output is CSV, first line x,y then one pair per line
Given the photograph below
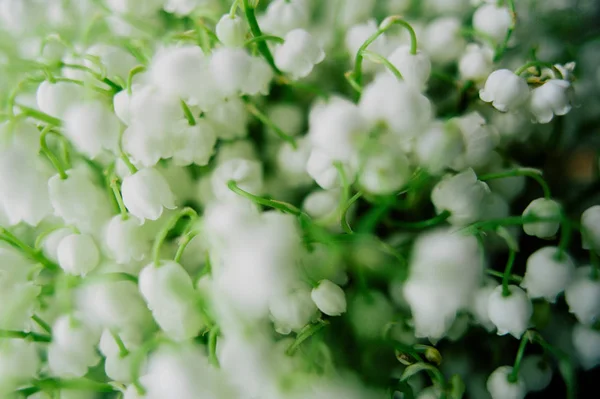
x,y
565,363
493,224
233,9
256,32
30,252
345,191
504,45
110,277
507,272
213,335
35,337
305,334
185,240
534,174
513,277
39,115
514,375
279,205
124,157
45,326
380,59
268,122
565,238
162,235
434,221
114,185
46,150
188,113
122,348
344,219
134,71
538,64
385,26
263,38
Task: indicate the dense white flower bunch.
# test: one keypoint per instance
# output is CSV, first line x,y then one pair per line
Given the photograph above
x,y
291,199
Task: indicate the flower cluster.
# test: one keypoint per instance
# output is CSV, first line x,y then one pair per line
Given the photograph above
x,y
297,199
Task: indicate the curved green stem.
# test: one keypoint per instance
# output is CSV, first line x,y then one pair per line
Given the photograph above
x,y
213,335
264,38
234,8
565,238
45,326
345,191
344,219
122,348
513,23
513,277
114,185
385,26
268,122
528,172
380,59
279,205
185,240
30,252
162,234
256,32
507,272
134,71
39,115
434,221
305,334
27,335
46,150
538,64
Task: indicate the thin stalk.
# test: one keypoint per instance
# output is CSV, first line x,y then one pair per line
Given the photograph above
x,y
134,71
45,326
162,235
46,150
28,335
256,32
122,348
279,205
521,172
213,335
268,122
513,23
434,221
305,334
30,252
39,115
264,38
114,185
507,272
380,59
514,375
188,113
185,240
538,64
513,277
344,219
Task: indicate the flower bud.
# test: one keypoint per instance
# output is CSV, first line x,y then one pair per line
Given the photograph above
x,y
511,313
552,98
194,144
500,387
462,195
438,147
492,20
586,341
357,35
442,40
298,54
476,63
590,223
126,240
146,193
536,373
542,208
78,254
546,275
92,127
583,296
73,348
329,298
414,68
229,120
283,16
505,90
231,31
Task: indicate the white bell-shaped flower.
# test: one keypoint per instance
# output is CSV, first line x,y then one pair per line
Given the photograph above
x,y
462,195
493,20
155,109
146,193
397,105
232,30
121,106
320,166
184,72
73,348
414,68
246,173
291,312
283,16
586,342
291,162
146,148
438,147
479,139
442,40
194,144
547,274
499,386
329,298
19,363
542,208
385,171
536,373
505,90
117,61
169,293
479,306
551,98
78,201
511,313
476,63
92,127
259,77
298,54
78,254
55,98
229,119
338,129
583,296
230,68
590,223
126,240
51,241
